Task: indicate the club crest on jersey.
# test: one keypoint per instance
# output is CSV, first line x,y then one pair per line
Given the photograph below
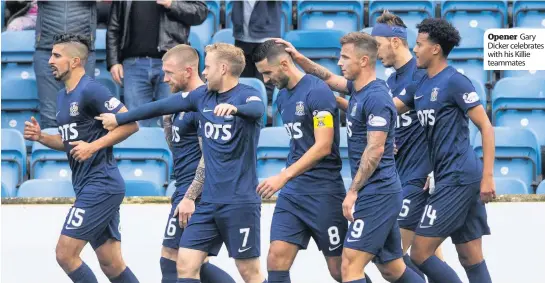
x,y
300,108
112,103
354,109
74,109
434,94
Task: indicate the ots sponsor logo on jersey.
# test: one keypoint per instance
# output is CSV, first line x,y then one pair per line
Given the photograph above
x,y
217,131
294,130
112,103
252,98
426,117
175,134
68,132
404,120
376,121
471,97
434,94
74,109
300,108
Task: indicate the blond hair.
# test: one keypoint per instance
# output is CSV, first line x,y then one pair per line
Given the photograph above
x,y
183,54
229,53
364,42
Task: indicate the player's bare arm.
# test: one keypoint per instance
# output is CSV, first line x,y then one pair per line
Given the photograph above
x,y
335,82
187,206
167,127
33,132
323,135
480,119
342,103
370,159
83,150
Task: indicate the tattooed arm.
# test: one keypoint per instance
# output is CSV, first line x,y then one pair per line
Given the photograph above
x,y
370,158
187,206
167,125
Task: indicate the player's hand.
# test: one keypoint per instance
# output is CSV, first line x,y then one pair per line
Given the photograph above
x,y
82,150
348,205
289,48
225,109
165,3
33,131
109,122
117,73
185,209
488,189
271,185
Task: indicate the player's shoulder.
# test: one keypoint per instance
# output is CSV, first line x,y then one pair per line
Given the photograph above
x,y
247,93
419,75
458,81
378,89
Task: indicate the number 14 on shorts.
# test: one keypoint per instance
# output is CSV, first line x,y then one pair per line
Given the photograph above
x,y
429,214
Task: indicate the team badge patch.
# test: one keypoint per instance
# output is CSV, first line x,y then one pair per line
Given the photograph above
x,y
112,103
74,109
354,109
471,97
434,94
300,108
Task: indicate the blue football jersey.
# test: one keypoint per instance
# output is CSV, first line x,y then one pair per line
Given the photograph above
x,y
441,104
412,158
76,112
185,148
298,107
372,109
229,144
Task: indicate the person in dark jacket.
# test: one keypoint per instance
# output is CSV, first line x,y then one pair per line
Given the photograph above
x,y
57,17
139,34
255,22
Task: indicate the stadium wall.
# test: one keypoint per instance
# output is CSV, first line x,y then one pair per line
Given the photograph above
x,y
514,252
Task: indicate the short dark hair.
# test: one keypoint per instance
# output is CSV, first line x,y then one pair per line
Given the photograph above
x,y
392,20
441,32
268,49
69,37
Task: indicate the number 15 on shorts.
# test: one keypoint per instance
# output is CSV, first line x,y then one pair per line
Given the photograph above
x,y
430,215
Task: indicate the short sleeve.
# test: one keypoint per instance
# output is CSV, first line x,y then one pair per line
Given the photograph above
x,y
101,100
378,111
462,92
321,99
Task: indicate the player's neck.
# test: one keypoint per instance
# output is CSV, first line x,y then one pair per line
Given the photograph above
x,y
228,84
436,67
365,77
402,58
295,76
73,79
193,84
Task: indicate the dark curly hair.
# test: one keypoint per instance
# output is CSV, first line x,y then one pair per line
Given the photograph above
x,y
268,49
69,37
441,32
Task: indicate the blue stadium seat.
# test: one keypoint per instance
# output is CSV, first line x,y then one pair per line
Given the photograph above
x,y
338,15
19,102
142,188
47,163
277,118
286,21
472,68
4,193
347,183
519,102
18,46
411,12
257,84
206,30
224,35
13,160
541,188
170,189
530,73
479,88
272,151
517,154
103,76
528,14
145,156
481,14
343,147
46,188
195,42
511,186
322,46
100,45
468,57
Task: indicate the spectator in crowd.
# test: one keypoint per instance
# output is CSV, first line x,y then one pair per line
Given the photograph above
x,y
255,22
139,33
57,17
25,18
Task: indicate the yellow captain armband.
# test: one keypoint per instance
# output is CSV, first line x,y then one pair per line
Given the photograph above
x,y
323,119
